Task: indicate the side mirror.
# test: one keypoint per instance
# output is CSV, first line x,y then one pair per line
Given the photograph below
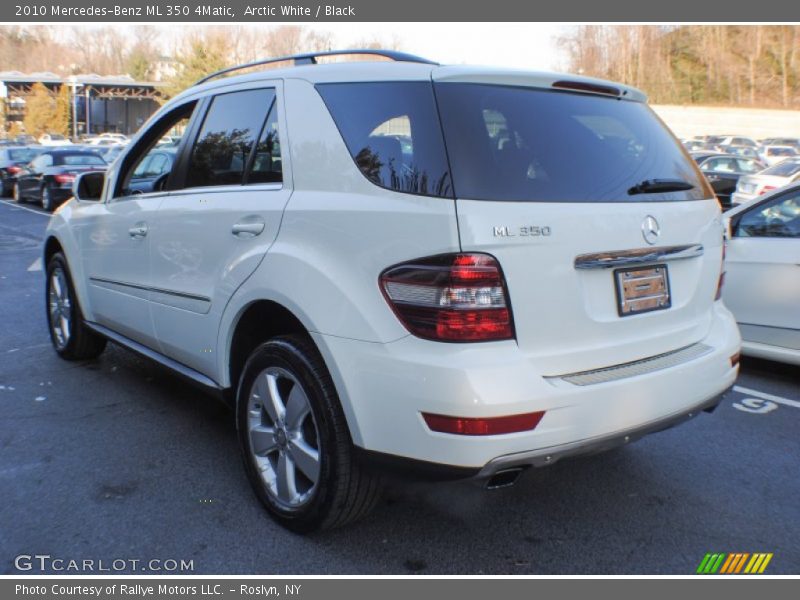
x,y
88,187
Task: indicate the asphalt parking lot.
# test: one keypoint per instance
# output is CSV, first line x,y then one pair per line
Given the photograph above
x,y
118,459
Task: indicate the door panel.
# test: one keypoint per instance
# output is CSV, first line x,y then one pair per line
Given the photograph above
x,y
115,245
198,261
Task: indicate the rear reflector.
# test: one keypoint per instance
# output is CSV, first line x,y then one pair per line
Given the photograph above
x,y
487,426
450,298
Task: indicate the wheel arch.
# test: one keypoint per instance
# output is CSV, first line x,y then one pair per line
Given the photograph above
x,y
256,322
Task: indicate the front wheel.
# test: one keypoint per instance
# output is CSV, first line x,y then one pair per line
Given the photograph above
x,y
296,446
70,336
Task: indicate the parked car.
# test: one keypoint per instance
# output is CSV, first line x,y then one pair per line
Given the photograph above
x,y
25,140
516,300
743,151
723,172
772,155
54,139
734,140
784,141
762,283
12,161
772,178
48,178
694,145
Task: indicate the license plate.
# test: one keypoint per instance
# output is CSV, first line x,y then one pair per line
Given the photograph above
x,y
642,289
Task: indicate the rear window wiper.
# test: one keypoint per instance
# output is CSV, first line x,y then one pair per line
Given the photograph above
x,y
654,186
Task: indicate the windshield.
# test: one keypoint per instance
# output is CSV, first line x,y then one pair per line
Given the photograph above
x,y
525,144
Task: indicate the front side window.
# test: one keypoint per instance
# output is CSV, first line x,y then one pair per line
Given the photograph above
x,y
777,218
393,133
137,162
223,145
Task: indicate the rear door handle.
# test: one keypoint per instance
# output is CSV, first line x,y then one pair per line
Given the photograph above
x,y
248,228
138,231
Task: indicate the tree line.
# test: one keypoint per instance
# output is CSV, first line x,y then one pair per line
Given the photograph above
x,y
740,65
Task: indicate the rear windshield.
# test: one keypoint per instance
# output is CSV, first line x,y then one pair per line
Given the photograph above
x,y
23,154
79,159
523,144
781,151
787,168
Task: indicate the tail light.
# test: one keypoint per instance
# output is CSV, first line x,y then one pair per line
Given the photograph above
x,y
13,170
450,298
767,188
721,281
65,178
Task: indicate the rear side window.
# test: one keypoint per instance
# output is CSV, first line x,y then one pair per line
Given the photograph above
x,y
230,129
523,144
788,168
393,133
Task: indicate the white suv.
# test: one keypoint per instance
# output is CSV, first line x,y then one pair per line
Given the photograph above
x,y
454,271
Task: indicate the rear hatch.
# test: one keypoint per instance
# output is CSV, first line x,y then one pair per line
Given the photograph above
x,y
544,176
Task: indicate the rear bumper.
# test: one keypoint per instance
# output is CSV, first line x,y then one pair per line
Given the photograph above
x,y
548,456
385,388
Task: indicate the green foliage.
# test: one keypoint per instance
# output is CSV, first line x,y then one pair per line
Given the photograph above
x,y
201,57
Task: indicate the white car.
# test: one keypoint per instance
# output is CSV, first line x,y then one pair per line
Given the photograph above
x,y
762,279
455,271
772,155
771,178
54,139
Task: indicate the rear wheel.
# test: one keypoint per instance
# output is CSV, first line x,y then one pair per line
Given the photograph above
x,y
70,336
47,198
15,193
295,442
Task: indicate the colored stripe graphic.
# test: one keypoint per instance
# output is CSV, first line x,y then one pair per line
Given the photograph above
x,y
734,563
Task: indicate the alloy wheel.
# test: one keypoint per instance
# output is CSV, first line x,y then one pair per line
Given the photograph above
x,y
60,307
283,437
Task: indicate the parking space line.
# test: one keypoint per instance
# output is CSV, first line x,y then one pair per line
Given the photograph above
x,y
765,396
16,205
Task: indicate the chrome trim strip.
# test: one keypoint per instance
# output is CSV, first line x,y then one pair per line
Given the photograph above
x,y
619,258
137,286
173,365
636,367
550,455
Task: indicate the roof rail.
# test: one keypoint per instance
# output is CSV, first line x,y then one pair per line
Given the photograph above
x,y
310,58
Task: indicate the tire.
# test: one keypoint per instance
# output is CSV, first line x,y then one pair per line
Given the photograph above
x,y
15,193
47,198
71,338
281,449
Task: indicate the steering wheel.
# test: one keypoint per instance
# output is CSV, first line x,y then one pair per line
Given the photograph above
x,y
160,184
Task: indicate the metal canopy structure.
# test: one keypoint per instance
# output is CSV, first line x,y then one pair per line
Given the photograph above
x,y
101,103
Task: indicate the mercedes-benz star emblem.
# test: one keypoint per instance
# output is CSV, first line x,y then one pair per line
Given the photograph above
x,y
650,230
